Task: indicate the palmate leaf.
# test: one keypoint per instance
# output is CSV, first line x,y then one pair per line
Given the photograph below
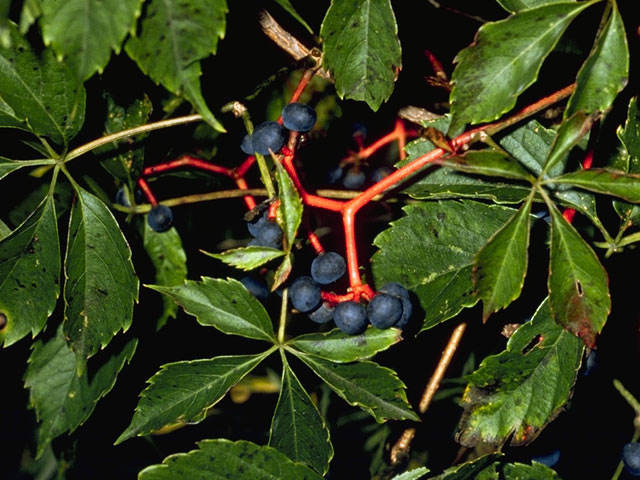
x,y
504,60
361,49
38,94
605,73
488,163
71,27
578,283
337,346
221,458
601,180
174,36
170,262
516,393
4,230
101,286
297,429
30,273
500,266
431,251
367,385
443,182
247,258
223,304
530,145
182,392
62,399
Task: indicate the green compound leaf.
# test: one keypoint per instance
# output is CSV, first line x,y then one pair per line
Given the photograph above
x,y
361,49
578,283
375,389
431,252
297,429
182,392
605,73
174,36
337,346
223,304
487,162
500,266
414,474
569,134
101,286
247,258
170,262
84,32
290,209
530,145
30,274
514,6
38,94
282,272
221,458
123,159
31,11
62,399
513,395
443,182
602,180
504,60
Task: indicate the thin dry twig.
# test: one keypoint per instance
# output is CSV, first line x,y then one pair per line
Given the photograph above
x,y
289,43
443,364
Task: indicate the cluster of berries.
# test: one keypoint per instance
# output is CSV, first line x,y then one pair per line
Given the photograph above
x,y
160,217
390,307
270,136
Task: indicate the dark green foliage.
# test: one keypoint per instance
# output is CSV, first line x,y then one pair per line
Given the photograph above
x,y
100,100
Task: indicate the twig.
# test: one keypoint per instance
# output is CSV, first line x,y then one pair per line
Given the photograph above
x,y
289,43
443,364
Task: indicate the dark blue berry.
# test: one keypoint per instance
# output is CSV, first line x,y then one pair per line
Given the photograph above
x,y
354,178
379,173
549,459
257,223
631,458
305,294
384,310
298,117
257,287
334,174
269,235
322,314
160,218
122,198
397,290
359,130
350,317
591,363
268,136
328,267
247,145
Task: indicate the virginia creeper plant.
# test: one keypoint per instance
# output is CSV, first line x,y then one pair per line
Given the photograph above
x,y
491,168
